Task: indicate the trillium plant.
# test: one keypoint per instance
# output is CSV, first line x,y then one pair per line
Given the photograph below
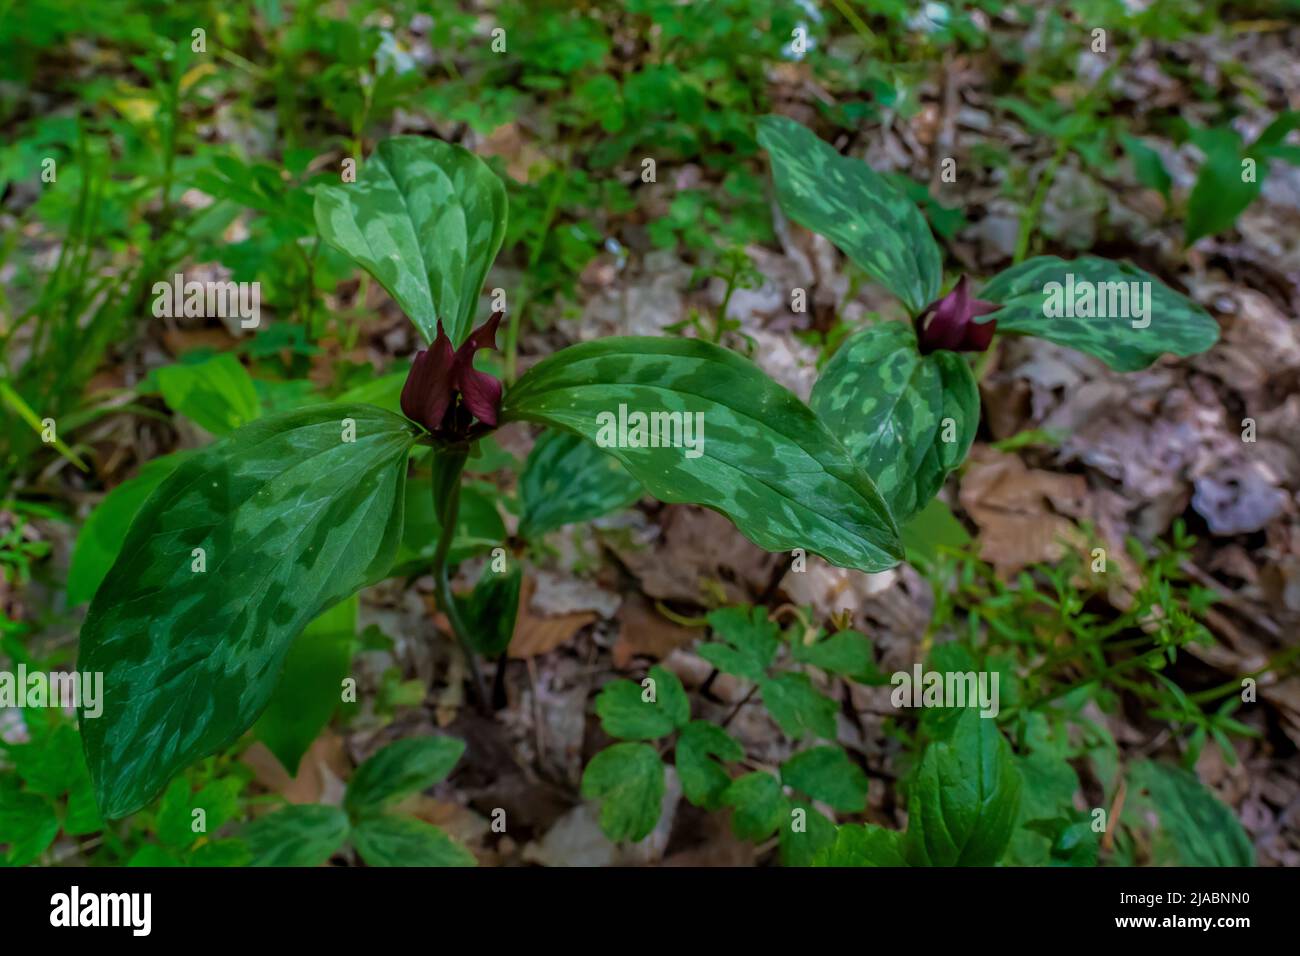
x,y
247,542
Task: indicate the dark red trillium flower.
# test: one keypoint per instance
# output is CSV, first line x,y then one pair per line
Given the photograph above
x,y
950,322
445,394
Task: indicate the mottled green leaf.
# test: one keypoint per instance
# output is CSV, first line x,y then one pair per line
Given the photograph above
x,y
765,460
402,841
703,778
404,767
799,708
311,687
287,519
566,480
758,805
1196,828
908,419
1170,323
827,774
963,803
856,208
216,394
304,835
750,640
628,778
426,219
105,529
490,611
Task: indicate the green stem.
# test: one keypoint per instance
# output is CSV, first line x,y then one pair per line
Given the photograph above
x,y
448,465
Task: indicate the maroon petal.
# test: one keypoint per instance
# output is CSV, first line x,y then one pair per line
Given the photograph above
x,y
428,391
482,394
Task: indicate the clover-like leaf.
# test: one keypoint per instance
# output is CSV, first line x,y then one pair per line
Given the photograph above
x,y
632,712
426,219
226,562
827,774
761,457
703,778
908,419
856,208
629,780
1111,310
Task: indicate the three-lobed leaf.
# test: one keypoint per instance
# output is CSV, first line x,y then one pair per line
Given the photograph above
x,y
628,778
426,219
229,559
648,711
908,419
845,200
763,458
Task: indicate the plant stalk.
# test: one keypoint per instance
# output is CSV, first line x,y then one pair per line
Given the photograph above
x,y
448,466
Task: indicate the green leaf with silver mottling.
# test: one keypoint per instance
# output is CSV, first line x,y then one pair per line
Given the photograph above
x,y
304,835
704,779
628,778
566,480
764,458
426,219
402,841
893,408
963,803
1113,331
404,767
856,208
228,560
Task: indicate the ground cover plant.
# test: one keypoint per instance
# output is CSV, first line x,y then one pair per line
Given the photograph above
x,y
397,400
